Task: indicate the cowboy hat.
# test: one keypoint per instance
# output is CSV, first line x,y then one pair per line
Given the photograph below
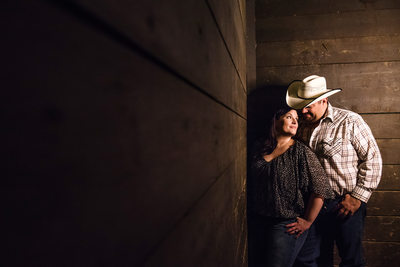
x,y
301,94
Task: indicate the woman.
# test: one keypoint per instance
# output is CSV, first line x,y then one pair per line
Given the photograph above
x,y
286,191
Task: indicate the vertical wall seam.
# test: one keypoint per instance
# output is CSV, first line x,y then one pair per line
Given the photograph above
x,y
226,46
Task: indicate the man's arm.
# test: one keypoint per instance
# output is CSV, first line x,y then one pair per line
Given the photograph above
x,y
369,169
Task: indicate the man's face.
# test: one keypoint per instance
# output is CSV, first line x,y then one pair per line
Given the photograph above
x,y
314,112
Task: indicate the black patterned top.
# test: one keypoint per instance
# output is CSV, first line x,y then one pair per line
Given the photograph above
x,y
281,188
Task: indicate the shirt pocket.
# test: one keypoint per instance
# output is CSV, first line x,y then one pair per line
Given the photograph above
x,y
329,148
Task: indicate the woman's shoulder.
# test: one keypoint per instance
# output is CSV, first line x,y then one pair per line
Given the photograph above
x,y
304,149
301,146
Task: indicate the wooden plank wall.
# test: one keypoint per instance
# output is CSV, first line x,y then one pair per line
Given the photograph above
x,y
124,133
355,45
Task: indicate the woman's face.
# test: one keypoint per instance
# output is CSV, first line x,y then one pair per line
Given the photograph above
x,y
288,123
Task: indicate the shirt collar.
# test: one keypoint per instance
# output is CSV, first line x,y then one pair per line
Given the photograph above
x,y
329,113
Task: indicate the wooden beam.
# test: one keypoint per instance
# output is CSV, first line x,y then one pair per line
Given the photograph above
x,y
380,254
189,45
390,178
229,19
383,125
385,203
329,51
382,228
107,150
367,87
390,149
190,238
279,8
325,26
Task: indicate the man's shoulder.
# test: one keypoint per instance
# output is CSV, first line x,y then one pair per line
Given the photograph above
x,y
345,115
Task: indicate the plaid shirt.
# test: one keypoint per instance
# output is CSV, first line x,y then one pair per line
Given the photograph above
x,y
347,150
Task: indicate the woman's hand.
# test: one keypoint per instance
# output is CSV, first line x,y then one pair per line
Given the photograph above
x,y
299,227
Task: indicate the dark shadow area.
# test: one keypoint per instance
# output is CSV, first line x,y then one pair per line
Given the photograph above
x,y
261,104
117,149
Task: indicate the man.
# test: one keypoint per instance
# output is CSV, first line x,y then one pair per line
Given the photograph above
x,y
350,156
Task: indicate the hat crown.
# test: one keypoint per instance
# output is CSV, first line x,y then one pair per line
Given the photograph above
x,y
303,93
313,86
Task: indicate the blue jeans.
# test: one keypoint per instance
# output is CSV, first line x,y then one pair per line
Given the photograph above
x,y
328,229
270,245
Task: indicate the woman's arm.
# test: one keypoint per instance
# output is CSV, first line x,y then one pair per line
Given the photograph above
x,y
320,188
302,224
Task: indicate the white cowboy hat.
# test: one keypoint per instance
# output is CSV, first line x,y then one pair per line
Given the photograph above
x,y
301,94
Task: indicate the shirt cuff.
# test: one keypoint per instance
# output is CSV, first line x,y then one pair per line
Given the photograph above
x,y
361,193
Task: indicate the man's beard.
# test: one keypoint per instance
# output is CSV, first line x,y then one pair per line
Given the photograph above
x,y
308,119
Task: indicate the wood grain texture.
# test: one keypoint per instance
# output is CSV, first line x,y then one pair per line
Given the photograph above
x,y
278,8
385,203
325,26
390,178
189,44
107,151
197,241
377,254
384,4
389,150
382,228
367,87
380,254
383,125
242,4
329,51
251,46
229,20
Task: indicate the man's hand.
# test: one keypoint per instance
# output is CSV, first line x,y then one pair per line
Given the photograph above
x,y
348,206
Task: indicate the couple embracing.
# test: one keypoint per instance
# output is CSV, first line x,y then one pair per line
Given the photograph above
x,y
310,180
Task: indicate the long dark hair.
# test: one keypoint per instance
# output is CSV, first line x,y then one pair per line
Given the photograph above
x,y
268,143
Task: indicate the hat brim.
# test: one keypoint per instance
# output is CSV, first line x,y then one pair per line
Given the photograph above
x,y
296,102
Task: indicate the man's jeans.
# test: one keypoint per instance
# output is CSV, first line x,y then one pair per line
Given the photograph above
x,y
328,228
270,245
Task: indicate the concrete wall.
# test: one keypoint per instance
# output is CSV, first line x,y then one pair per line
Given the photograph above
x,y
355,45
124,133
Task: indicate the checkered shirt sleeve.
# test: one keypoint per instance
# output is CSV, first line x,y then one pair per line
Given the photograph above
x,y
370,161
348,152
